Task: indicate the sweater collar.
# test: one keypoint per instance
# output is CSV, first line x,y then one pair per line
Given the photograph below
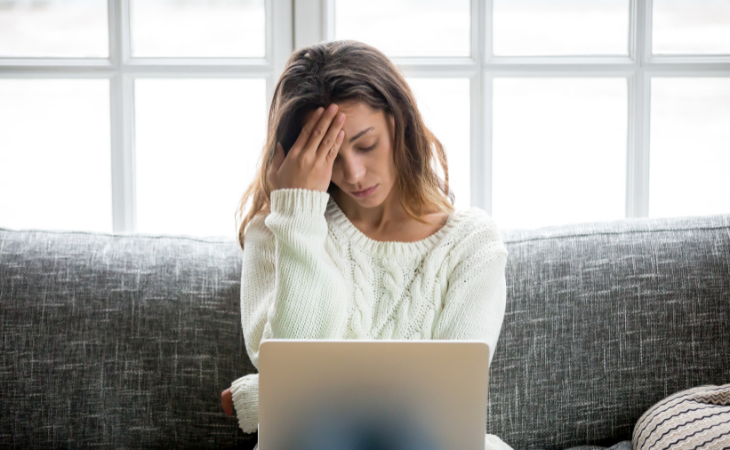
x,y
338,220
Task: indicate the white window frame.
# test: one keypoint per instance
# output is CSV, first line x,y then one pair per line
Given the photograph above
x,y
292,24
121,69
314,22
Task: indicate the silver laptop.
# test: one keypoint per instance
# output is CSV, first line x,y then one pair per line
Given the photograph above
x,y
372,394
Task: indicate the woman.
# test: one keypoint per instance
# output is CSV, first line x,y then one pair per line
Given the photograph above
x,y
350,232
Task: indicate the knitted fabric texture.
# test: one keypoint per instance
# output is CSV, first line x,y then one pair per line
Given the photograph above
x,y
697,418
309,273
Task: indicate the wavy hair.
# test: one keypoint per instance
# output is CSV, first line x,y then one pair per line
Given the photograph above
x,y
343,71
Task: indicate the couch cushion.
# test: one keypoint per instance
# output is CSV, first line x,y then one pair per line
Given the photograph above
x,y
603,321
116,341
127,341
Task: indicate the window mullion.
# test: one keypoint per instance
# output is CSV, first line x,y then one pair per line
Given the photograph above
x,y
486,39
309,22
122,127
481,106
279,40
637,161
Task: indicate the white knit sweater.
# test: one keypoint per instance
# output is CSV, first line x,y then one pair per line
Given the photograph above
x,y
309,273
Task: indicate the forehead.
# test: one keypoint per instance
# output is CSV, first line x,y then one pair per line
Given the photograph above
x,y
356,112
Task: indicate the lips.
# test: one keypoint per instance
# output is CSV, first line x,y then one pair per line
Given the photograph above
x,y
364,193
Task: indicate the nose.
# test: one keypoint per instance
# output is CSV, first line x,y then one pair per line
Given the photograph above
x,y
353,170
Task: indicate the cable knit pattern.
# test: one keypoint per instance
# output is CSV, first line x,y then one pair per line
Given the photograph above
x,y
363,275
309,273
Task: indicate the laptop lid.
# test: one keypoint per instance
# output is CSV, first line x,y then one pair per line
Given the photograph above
x,y
338,393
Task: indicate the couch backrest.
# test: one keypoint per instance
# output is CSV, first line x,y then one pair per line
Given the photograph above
x,y
603,321
127,341
116,341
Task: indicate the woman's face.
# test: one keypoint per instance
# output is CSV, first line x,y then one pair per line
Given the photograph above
x,y
364,168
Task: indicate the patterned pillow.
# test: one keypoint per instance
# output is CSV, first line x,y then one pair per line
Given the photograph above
x,y
698,418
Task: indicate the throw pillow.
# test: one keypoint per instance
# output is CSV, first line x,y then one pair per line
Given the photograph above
x,y
697,418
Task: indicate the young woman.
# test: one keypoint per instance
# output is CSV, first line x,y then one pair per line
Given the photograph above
x,y
349,230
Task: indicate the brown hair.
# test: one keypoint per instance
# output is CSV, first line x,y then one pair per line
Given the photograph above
x,y
341,71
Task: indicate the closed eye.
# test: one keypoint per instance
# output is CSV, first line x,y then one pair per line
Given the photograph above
x,y
367,149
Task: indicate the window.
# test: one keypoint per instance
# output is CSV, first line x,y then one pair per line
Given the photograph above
x,y
134,115
578,111
551,111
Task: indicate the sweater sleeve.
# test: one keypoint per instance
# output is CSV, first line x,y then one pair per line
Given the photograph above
x,y
476,295
290,287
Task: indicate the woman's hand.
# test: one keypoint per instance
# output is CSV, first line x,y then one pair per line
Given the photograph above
x,y
227,401
308,165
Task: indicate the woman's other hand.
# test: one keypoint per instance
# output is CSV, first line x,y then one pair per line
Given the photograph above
x,y
227,401
308,165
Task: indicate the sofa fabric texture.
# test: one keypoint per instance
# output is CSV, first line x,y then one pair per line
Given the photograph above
x,y
605,320
126,341
118,341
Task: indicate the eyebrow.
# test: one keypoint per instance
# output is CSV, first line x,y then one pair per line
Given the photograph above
x,y
360,134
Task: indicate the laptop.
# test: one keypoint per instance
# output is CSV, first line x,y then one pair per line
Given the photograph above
x,y
372,394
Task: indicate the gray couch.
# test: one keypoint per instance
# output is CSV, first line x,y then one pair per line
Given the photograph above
x,y
113,341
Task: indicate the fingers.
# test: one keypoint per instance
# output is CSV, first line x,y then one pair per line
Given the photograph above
x,y
306,132
317,133
227,401
329,140
332,153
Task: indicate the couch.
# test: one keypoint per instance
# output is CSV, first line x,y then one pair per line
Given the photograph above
x,y
126,341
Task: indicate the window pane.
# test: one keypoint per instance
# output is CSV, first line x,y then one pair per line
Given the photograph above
x,y
197,146
691,26
198,28
53,28
406,27
690,147
561,27
559,153
55,163
444,105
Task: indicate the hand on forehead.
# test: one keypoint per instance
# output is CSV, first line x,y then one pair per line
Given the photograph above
x,y
360,120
